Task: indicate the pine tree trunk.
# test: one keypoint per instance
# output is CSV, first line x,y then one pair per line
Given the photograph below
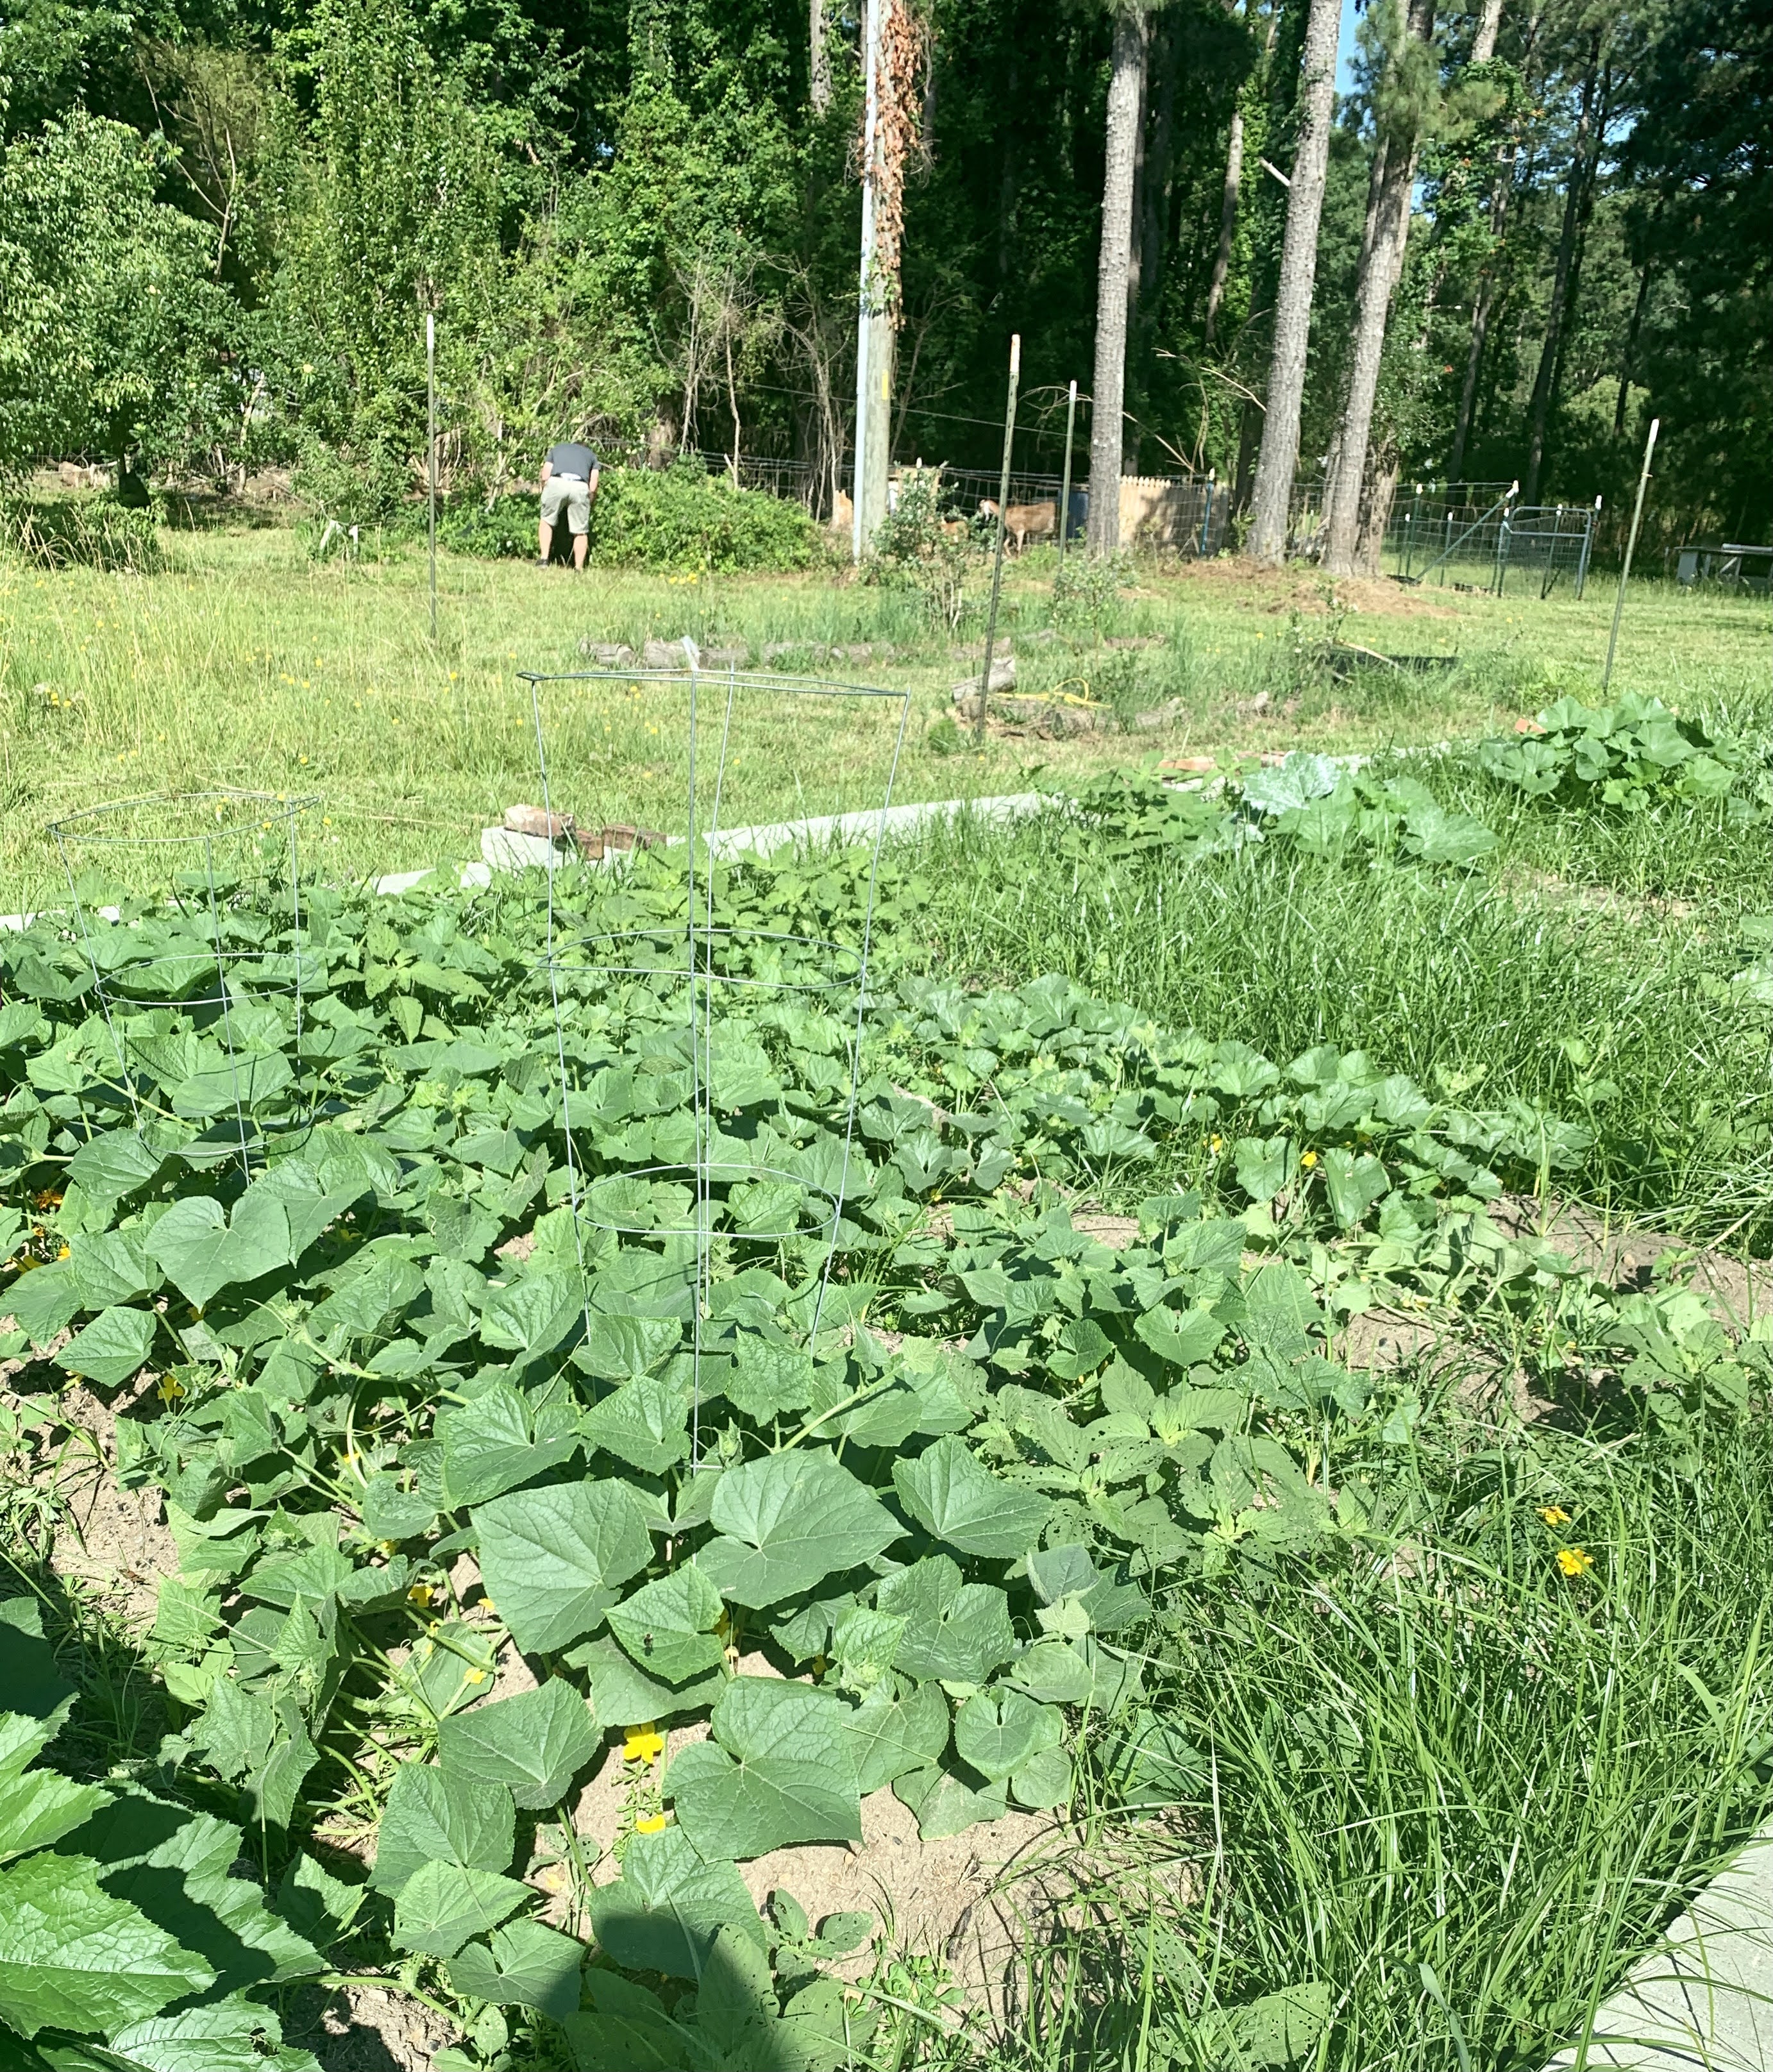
x,y
1227,221
819,70
1483,44
1381,268
1126,86
1544,381
1280,454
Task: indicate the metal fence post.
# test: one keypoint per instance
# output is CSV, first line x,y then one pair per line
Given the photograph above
x,y
1630,548
1206,517
430,455
1065,491
996,563
1587,548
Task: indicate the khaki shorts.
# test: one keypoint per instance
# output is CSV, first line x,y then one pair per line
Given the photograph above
x,y
575,493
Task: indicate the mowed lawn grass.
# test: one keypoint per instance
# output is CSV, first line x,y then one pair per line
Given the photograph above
x,y
249,665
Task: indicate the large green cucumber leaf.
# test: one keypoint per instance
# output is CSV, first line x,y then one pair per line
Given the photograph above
x,y
236,2035
644,1422
114,1345
525,1965
663,1912
788,1520
176,1865
493,1443
945,1804
955,1632
73,1957
435,1816
535,1314
624,1348
441,1905
767,1379
239,1083
202,1250
781,1769
667,1626
28,1674
891,1733
998,1731
533,1744
115,1163
1181,1337
310,1203
622,1694
553,1560
114,1266
957,1500
38,1808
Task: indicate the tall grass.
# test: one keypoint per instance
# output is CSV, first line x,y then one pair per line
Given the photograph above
x,y
1480,987
1457,1790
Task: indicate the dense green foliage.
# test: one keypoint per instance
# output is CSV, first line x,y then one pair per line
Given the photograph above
x,y
1007,1499
681,519
220,233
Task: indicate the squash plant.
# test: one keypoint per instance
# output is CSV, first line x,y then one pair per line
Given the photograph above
x,y
879,1490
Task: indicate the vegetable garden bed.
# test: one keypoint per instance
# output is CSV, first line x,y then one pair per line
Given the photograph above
x,y
1116,1528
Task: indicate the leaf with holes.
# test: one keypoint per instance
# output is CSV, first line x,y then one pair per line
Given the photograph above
x,y
956,1499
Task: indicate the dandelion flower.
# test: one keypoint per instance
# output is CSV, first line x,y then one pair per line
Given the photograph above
x,y
1574,1561
1554,1513
643,1744
650,1824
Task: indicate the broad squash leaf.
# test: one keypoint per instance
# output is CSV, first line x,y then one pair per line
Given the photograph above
x,y
525,1965
787,1520
533,1744
553,1560
956,1499
781,1769
441,1905
667,1626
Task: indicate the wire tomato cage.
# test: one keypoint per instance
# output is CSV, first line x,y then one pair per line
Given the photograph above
x,y
710,984
205,955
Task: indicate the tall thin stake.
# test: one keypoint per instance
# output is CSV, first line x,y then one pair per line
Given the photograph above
x,y
1631,549
864,304
1065,494
430,454
997,560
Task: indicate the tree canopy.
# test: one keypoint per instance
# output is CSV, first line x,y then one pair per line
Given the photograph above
x,y
222,223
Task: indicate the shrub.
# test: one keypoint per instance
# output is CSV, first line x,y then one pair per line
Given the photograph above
x,y
98,532
923,548
682,518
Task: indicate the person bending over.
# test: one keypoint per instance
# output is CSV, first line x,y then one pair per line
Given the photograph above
x,y
568,479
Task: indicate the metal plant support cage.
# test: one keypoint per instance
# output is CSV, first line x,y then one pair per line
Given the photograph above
x,y
203,942
707,961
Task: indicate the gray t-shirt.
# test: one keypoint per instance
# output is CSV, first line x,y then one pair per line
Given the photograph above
x,y
570,458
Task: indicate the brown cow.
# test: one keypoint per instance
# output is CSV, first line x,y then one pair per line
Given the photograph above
x,y
1023,522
